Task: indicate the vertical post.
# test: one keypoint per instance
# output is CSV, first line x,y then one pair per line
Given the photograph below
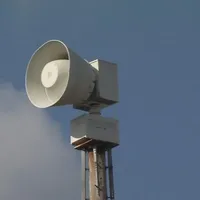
x,y
97,177
97,174
110,175
102,173
92,181
83,166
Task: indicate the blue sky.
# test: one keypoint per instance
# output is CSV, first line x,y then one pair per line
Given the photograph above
x,y
156,45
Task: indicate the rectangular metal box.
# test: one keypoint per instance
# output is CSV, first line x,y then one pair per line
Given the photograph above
x,y
96,128
107,80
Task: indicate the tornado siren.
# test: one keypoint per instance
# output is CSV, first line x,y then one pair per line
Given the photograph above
x,y
57,76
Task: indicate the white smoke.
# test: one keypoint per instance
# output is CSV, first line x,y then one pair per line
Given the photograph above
x,y
35,164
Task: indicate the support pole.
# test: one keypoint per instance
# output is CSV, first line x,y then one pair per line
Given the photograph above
x,y
97,174
92,178
83,166
99,160
110,175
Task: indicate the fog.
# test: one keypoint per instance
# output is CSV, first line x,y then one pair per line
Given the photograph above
x,y
35,163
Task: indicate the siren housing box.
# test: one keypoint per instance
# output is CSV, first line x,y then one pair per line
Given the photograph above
x,y
105,92
93,128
